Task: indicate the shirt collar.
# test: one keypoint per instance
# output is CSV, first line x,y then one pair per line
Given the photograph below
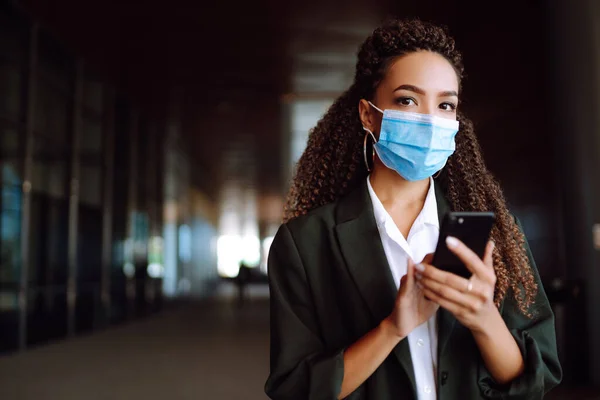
x,y
428,215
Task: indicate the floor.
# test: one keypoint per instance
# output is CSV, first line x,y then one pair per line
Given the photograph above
x,y
207,350
202,350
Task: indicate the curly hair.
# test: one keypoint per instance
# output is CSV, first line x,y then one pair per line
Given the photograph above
x,y
332,163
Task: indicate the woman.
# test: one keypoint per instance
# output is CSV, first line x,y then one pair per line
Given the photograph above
x,y
352,315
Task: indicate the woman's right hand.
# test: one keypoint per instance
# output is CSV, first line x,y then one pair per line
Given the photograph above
x,y
411,308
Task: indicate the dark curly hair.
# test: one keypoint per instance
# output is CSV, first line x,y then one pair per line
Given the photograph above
x,y
332,163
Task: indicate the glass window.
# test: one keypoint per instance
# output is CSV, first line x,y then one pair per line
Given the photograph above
x,y
89,244
10,177
90,186
50,179
90,213
120,190
9,143
56,65
52,113
13,51
90,156
48,240
13,34
93,92
91,138
10,237
142,164
11,91
49,213
10,219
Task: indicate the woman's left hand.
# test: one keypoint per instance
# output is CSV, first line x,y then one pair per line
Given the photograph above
x,y
471,301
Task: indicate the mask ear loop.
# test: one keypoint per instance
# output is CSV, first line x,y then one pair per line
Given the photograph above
x,y
375,107
369,133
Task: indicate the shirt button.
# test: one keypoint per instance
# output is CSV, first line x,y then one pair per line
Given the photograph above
x,y
420,342
427,389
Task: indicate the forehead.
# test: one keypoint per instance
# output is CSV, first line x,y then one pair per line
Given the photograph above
x,y
425,69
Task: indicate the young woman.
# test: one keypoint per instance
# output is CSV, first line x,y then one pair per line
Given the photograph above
x,y
357,310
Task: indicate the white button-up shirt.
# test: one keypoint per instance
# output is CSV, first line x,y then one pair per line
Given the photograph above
x,y
422,240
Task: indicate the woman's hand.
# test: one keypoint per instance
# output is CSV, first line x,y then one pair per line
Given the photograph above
x,y
411,308
471,301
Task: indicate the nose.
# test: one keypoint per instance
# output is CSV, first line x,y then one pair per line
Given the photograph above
x,y
428,107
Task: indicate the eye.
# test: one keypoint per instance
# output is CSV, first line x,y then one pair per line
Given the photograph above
x,y
406,101
446,106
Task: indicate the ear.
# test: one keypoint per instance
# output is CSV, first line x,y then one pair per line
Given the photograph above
x,y
365,111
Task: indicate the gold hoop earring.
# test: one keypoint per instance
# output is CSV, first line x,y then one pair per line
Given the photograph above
x,y
437,174
369,133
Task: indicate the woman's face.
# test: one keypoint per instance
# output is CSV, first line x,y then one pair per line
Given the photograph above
x,y
422,82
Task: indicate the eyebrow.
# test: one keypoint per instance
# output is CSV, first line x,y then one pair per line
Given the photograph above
x,y
412,88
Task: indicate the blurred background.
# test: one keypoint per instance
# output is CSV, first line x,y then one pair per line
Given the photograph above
x,y
146,149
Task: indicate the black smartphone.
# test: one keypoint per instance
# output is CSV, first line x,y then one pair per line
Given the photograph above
x,y
472,228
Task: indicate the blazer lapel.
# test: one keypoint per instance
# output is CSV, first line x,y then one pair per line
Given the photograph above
x,y
445,319
365,258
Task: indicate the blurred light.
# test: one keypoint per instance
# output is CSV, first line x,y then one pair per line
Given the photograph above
x,y
229,255
129,270
128,247
185,286
266,247
185,243
170,260
251,251
155,270
233,249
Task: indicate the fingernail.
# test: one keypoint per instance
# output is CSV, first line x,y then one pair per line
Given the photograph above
x,y
419,285
451,241
418,276
493,244
420,267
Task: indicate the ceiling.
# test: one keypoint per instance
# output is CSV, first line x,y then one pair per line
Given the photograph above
x,y
235,65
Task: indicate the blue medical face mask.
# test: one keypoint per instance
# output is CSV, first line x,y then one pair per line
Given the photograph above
x,y
414,145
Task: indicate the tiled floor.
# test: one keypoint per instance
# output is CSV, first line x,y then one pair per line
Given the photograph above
x,y
204,350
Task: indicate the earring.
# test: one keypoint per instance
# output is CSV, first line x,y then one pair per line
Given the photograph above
x,y
369,133
437,174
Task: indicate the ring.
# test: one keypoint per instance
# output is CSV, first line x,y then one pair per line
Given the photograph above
x,y
470,286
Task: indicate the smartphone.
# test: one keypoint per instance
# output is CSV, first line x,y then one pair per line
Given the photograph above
x,y
472,228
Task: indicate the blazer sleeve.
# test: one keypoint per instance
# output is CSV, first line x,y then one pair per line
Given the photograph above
x,y
536,338
301,366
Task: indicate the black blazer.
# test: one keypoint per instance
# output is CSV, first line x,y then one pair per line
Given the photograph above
x,y
330,284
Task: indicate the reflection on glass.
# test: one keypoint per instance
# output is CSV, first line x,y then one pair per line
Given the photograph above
x,y
185,244
170,263
141,232
155,257
10,225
